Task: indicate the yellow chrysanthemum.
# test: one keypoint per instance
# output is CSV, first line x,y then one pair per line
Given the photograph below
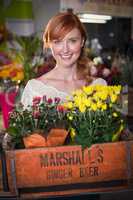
x,y
99,104
103,95
93,106
104,106
113,98
87,102
69,105
70,117
72,133
82,108
88,90
115,114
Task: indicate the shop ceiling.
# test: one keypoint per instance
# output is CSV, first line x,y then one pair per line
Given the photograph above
x,y
115,8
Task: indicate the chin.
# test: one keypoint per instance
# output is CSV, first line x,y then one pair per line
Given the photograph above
x,y
69,63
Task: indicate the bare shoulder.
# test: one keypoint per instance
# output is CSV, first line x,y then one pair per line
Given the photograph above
x,y
46,78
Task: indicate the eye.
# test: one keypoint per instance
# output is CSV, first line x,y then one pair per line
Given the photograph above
x,y
56,41
73,40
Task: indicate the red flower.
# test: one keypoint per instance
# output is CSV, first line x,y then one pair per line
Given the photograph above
x,y
13,73
57,99
44,98
36,114
61,108
36,100
50,100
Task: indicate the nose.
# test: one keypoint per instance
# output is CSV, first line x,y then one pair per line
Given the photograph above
x,y
65,47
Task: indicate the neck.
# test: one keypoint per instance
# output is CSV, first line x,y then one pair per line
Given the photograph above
x,y
66,73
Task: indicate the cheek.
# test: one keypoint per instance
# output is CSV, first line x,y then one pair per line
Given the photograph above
x,y
55,50
76,48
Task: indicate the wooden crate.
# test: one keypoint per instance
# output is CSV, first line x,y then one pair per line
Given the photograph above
x,y
1,185
45,172
130,101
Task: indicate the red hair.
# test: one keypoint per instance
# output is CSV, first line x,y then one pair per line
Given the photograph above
x,y
60,25
57,27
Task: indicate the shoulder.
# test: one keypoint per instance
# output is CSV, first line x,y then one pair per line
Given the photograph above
x,y
32,89
99,81
34,83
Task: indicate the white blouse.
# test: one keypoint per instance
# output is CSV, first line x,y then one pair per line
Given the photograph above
x,y
36,88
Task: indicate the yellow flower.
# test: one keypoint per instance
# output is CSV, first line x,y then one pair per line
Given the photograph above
x,y
72,133
89,109
94,106
88,90
82,108
14,71
113,98
115,114
77,100
4,73
99,104
87,102
103,95
117,89
104,106
69,105
70,117
77,93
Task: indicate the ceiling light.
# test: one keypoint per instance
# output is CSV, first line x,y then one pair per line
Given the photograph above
x,y
93,16
98,21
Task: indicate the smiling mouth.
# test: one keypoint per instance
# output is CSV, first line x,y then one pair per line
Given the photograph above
x,y
66,56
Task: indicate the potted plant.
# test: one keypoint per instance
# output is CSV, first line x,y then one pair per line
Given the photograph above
x,y
94,115
34,123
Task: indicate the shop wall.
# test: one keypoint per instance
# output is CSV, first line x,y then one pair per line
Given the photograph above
x,y
43,10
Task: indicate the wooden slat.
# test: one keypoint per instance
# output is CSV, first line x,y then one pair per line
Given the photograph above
x,y
69,167
1,186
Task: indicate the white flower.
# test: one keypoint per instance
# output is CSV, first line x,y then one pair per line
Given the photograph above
x,y
97,60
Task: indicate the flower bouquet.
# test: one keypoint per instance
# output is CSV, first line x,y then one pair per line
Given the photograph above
x,y
94,115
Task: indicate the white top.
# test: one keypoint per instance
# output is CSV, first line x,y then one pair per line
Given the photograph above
x,y
36,88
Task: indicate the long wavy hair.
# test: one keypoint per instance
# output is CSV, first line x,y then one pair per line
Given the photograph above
x,y
57,27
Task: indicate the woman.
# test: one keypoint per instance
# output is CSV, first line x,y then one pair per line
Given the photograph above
x,y
65,35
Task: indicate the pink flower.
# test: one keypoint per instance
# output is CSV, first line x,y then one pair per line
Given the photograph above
x,y
93,71
106,72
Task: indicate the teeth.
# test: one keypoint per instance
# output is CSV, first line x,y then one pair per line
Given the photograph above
x,y
68,56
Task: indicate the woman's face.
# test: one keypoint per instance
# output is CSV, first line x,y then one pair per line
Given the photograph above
x,y
67,50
